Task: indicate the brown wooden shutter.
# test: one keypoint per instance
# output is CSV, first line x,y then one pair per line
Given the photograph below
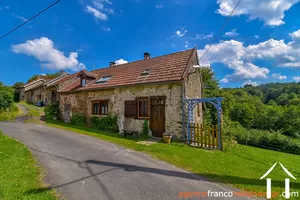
x,y
130,108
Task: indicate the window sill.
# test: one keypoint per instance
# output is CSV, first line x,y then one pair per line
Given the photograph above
x,y
98,115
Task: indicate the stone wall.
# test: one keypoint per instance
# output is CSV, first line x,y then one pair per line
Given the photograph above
x,y
31,95
82,102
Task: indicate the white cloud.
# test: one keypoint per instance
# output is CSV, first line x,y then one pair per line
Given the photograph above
x,y
97,13
159,6
7,7
269,11
43,49
186,44
202,36
256,36
249,82
106,29
240,58
231,33
296,78
19,17
279,76
121,61
181,33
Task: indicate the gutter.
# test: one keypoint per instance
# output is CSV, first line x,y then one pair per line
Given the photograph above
x,y
113,87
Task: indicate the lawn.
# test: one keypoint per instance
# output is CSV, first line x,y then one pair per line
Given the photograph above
x,y
239,166
19,172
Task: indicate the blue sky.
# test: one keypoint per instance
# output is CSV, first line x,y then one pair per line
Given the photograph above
x,y
260,44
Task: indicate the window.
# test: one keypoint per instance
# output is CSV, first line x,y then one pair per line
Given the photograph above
x,y
143,108
95,109
104,79
83,82
146,72
104,108
100,107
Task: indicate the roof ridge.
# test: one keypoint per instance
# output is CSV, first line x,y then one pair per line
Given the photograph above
x,y
192,49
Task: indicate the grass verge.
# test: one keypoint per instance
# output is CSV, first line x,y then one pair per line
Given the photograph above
x,y
239,166
34,112
20,175
10,114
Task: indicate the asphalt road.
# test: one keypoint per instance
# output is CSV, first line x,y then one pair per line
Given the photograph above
x,y
84,168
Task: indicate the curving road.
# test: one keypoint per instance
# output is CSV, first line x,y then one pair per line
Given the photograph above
x,y
84,168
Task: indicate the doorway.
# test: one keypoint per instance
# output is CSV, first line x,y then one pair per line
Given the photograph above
x,y
157,119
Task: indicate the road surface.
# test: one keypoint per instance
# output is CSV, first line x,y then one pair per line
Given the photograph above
x,y
84,168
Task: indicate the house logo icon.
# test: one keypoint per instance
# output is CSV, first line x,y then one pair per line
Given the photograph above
x,y
287,181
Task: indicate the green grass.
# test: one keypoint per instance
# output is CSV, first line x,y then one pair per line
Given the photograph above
x,y
10,114
239,166
20,176
33,110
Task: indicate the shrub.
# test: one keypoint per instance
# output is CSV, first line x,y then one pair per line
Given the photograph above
x,y
6,100
78,119
264,139
52,111
145,127
108,123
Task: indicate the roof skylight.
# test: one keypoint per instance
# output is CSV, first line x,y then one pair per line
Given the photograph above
x,y
146,72
104,79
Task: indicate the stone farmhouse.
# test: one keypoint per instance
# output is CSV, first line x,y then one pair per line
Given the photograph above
x,y
150,89
43,90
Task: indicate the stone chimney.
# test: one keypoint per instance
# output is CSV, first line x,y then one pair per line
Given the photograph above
x,y
62,72
146,56
112,64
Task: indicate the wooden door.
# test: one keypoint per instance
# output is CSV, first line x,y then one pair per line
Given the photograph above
x,y
157,119
67,110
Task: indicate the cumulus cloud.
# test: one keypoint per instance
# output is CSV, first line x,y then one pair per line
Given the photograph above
x,y
269,11
159,6
249,82
121,61
279,76
240,58
296,78
43,49
231,33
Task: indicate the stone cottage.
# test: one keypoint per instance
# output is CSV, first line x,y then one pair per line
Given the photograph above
x,y
33,91
45,90
150,89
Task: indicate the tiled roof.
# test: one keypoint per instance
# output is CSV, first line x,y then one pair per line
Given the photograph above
x,y
55,81
167,68
63,79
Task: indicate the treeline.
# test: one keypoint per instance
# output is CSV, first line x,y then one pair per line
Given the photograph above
x,y
274,106
266,116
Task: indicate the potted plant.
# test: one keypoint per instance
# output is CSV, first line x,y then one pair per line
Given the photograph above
x,y
167,138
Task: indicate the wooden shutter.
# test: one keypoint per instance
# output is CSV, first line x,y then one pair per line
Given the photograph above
x,y
130,108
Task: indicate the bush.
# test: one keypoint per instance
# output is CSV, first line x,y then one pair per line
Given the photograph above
x,y
145,127
263,139
52,111
78,119
6,100
108,123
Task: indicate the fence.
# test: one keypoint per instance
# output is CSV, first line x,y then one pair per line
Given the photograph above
x,y
204,135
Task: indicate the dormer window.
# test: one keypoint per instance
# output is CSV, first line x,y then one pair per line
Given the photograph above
x,y
104,79
83,82
146,72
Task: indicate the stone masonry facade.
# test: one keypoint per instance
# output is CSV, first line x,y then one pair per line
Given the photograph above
x,y
81,102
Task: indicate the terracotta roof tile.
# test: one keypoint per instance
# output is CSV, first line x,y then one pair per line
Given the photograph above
x,y
165,68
